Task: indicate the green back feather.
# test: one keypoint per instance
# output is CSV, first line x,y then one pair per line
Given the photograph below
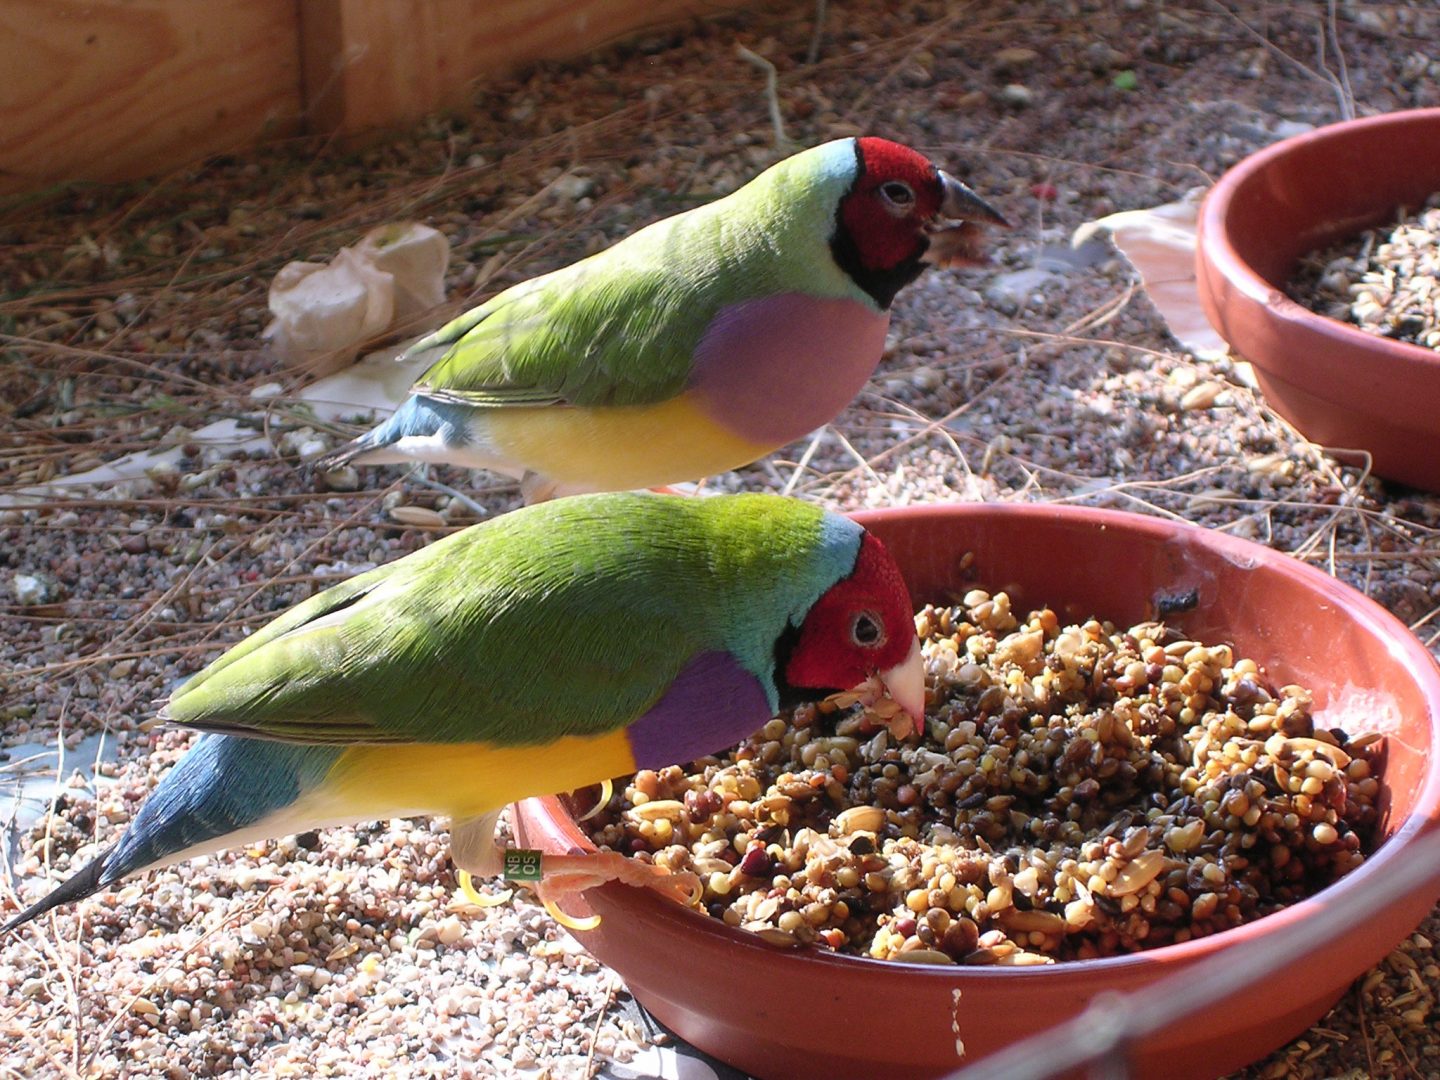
x,y
621,327
572,617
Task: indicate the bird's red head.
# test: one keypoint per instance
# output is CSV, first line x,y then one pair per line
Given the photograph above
x,y
896,195
863,626
890,221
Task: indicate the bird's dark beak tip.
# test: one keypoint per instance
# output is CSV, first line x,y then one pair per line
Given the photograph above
x,y
963,204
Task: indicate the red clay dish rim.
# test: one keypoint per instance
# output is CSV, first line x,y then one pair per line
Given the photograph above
x,y
1404,646
1216,248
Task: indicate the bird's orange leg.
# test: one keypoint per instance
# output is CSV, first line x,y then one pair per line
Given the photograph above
x,y
554,877
566,875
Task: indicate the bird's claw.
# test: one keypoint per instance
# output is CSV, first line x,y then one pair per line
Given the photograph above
x,y
607,789
569,874
476,897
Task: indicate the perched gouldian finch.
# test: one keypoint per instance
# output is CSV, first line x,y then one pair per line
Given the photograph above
x,y
696,345
544,650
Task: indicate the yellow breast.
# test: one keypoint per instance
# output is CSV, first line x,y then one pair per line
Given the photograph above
x,y
620,447
466,779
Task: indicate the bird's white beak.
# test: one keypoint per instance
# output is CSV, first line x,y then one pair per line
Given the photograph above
x,y
905,683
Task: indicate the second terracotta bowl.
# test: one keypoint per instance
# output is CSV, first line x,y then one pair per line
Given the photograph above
x,y
1340,386
787,1015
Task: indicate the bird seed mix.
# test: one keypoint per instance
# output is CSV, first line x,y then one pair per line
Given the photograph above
x,y
1386,281
1079,791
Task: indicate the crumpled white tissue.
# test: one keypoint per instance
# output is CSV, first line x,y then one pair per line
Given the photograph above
x,y
325,312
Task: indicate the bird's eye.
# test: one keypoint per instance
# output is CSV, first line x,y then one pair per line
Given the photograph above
x,y
897,196
866,630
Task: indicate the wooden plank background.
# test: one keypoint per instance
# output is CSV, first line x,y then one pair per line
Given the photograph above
x,y
117,89
376,63
105,91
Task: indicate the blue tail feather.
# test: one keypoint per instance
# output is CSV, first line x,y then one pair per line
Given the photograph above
x,y
419,416
223,785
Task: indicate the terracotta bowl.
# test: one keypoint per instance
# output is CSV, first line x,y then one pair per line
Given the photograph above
x,y
790,1014
1338,385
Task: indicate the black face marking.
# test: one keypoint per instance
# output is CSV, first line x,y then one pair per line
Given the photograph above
x,y
792,696
882,285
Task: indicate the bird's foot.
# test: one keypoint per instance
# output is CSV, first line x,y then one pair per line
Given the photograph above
x,y
565,875
555,877
476,897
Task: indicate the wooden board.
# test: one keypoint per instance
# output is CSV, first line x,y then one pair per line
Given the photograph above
x,y
114,90
379,63
117,89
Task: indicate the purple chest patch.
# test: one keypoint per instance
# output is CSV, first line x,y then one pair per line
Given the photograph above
x,y
712,704
776,368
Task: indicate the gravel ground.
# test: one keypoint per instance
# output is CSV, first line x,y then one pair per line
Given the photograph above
x,y
131,316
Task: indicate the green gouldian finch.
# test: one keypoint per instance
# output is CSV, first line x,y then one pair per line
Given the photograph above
x,y
697,344
544,650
